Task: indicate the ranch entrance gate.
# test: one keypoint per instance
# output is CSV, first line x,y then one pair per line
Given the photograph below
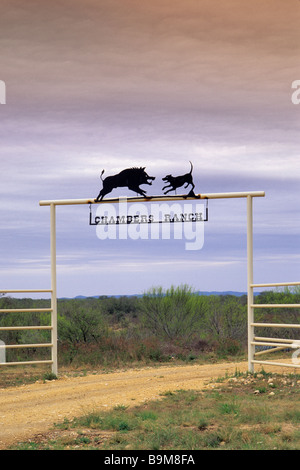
x,y
253,357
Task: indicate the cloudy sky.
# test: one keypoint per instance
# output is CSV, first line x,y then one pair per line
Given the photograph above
x,y
93,84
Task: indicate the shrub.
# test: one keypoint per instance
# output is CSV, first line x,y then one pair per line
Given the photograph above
x,y
172,313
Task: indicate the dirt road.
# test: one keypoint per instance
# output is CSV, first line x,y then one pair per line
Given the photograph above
x,y
31,409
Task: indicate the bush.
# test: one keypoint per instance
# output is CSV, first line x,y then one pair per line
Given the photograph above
x,y
228,347
78,322
173,313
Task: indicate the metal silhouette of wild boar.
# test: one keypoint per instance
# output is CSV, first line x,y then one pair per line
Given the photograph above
x,y
131,177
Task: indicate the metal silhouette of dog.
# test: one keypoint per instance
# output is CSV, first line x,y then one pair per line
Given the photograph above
x,y
131,177
178,181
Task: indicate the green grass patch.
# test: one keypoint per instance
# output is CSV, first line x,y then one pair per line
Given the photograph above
x,y
230,415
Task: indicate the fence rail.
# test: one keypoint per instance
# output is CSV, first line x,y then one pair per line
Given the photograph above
x,y
14,328
20,291
275,305
25,363
24,310
52,328
37,345
277,325
273,344
277,284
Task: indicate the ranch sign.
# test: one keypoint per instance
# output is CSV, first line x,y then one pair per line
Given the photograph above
x,y
157,217
133,178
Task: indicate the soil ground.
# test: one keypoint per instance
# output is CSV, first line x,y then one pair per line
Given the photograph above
x,y
31,409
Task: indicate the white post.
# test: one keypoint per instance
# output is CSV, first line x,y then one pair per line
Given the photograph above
x,y
251,348
2,352
53,288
